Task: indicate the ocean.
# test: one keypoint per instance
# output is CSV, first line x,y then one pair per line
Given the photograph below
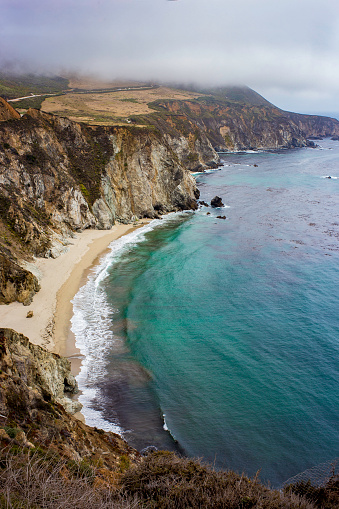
x,y
219,338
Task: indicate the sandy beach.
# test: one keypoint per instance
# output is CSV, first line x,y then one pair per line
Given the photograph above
x,y
60,279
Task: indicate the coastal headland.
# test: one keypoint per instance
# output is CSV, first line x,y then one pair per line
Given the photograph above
x,y
67,190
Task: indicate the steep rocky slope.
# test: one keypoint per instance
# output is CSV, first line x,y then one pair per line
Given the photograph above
x,y
7,111
57,177
16,283
234,118
47,374
33,401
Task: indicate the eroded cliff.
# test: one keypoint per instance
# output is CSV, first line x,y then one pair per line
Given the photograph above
x,y
50,459
45,373
233,119
16,283
33,401
57,177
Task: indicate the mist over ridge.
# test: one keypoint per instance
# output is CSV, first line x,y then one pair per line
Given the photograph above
x,y
285,51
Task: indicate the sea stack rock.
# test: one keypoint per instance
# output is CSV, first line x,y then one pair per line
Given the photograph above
x,y
217,202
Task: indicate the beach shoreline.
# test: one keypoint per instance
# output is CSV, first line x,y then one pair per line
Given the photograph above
x,y
60,279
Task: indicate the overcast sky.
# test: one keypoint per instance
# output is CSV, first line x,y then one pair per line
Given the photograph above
x,y
287,50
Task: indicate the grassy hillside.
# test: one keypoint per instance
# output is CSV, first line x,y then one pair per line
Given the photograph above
x,y
111,108
22,85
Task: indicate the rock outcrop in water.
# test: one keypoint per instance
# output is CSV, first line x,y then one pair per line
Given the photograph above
x,y
217,202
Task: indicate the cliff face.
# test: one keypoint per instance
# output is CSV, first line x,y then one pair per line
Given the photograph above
x,y
234,119
33,403
314,125
57,177
7,111
16,283
47,374
50,459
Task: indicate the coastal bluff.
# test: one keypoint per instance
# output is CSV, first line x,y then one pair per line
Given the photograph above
x,y
35,390
58,177
47,375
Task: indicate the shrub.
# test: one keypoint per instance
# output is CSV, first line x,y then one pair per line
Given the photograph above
x,y
163,480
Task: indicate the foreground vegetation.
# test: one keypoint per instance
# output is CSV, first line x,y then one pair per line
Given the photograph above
x,y
38,479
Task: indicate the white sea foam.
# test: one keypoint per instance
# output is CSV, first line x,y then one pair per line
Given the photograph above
x,y
165,425
212,170
166,428
91,325
241,152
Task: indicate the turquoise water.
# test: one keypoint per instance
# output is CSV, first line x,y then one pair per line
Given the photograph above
x,y
226,332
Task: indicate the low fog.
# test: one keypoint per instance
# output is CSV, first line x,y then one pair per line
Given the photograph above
x,y
288,51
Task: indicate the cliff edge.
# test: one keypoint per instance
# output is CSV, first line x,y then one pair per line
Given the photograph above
x,y
58,177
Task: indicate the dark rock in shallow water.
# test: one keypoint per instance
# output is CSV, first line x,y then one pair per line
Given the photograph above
x,y
221,217
217,202
196,193
311,144
203,203
335,138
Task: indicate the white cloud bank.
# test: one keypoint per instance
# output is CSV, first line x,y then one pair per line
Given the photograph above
x,y
288,50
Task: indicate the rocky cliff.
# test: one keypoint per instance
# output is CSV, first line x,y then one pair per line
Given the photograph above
x,y
315,125
7,111
48,375
33,401
57,177
233,119
16,283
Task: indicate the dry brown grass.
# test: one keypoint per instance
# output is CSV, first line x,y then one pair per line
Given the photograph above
x,y
110,108
165,481
41,480
30,481
162,480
